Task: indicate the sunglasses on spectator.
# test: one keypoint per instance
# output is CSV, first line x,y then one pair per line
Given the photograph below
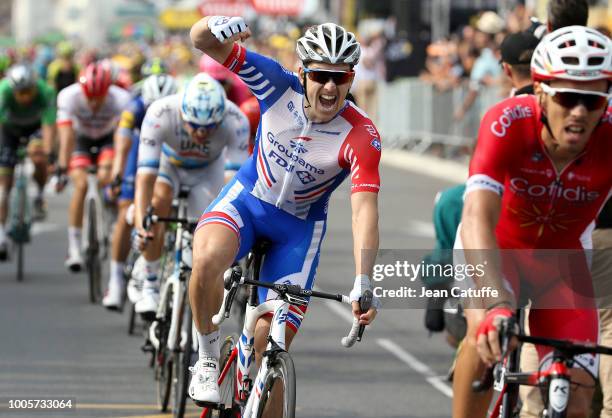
x,y
570,98
323,76
196,126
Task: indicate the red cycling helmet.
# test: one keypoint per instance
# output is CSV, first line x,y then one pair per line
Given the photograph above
x,y
96,79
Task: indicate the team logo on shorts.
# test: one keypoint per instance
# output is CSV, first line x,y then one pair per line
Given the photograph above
x,y
376,144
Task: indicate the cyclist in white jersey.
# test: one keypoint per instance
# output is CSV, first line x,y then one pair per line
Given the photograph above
x,y
182,142
87,115
309,140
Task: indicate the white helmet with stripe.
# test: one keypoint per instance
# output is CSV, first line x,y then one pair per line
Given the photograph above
x,y
328,43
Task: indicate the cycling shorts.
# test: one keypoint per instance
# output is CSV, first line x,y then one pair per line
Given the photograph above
x,y
9,142
205,182
88,151
293,256
129,173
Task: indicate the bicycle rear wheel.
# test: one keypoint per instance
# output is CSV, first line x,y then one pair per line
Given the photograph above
x,y
280,376
94,265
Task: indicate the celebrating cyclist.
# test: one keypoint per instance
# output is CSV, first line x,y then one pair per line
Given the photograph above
x,y
182,143
88,113
309,140
27,105
538,178
123,174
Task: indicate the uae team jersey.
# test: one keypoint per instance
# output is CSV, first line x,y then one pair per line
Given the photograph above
x,y
162,132
297,164
73,109
541,206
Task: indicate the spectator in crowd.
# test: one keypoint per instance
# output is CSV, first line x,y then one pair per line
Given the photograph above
x,y
370,71
486,67
562,13
516,51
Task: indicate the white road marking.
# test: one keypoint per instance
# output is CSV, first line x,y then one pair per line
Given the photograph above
x,y
418,366
41,228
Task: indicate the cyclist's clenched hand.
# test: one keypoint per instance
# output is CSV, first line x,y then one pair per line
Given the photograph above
x,y
141,239
60,178
228,29
362,284
487,336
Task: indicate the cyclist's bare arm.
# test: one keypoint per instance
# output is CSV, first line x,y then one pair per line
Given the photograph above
x,y
48,138
364,207
66,144
144,194
123,144
205,41
479,219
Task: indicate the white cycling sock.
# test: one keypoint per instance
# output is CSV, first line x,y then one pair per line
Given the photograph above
x,y
2,234
116,272
74,239
151,268
209,345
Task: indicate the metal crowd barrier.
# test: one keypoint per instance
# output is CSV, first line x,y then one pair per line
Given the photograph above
x,y
413,115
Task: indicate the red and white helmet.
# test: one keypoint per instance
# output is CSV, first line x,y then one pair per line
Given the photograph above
x,y
96,79
573,53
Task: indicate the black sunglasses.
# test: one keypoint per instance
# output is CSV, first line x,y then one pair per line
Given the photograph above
x,y
570,98
323,76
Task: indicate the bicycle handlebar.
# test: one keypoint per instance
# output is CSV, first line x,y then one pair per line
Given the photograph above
x,y
293,294
567,349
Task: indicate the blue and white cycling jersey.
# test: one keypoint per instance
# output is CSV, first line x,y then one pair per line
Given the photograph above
x,y
296,164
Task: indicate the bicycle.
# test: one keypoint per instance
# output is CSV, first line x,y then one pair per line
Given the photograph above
x,y
554,380
20,216
171,333
96,225
238,399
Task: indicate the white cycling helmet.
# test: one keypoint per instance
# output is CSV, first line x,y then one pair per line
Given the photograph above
x,y
328,43
157,86
573,53
203,101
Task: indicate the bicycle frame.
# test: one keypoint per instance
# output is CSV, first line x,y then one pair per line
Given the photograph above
x,y
175,285
556,377
243,353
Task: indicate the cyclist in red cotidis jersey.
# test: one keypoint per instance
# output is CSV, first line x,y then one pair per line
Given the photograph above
x,y
538,178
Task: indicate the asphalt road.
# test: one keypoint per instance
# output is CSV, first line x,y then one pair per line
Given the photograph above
x,y
54,343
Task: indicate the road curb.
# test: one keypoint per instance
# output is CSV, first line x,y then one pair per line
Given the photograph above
x,y
451,171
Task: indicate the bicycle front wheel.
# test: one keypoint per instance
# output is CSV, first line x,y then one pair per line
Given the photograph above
x,y
94,265
279,382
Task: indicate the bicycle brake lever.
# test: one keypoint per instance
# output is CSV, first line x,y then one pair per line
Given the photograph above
x,y
365,303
